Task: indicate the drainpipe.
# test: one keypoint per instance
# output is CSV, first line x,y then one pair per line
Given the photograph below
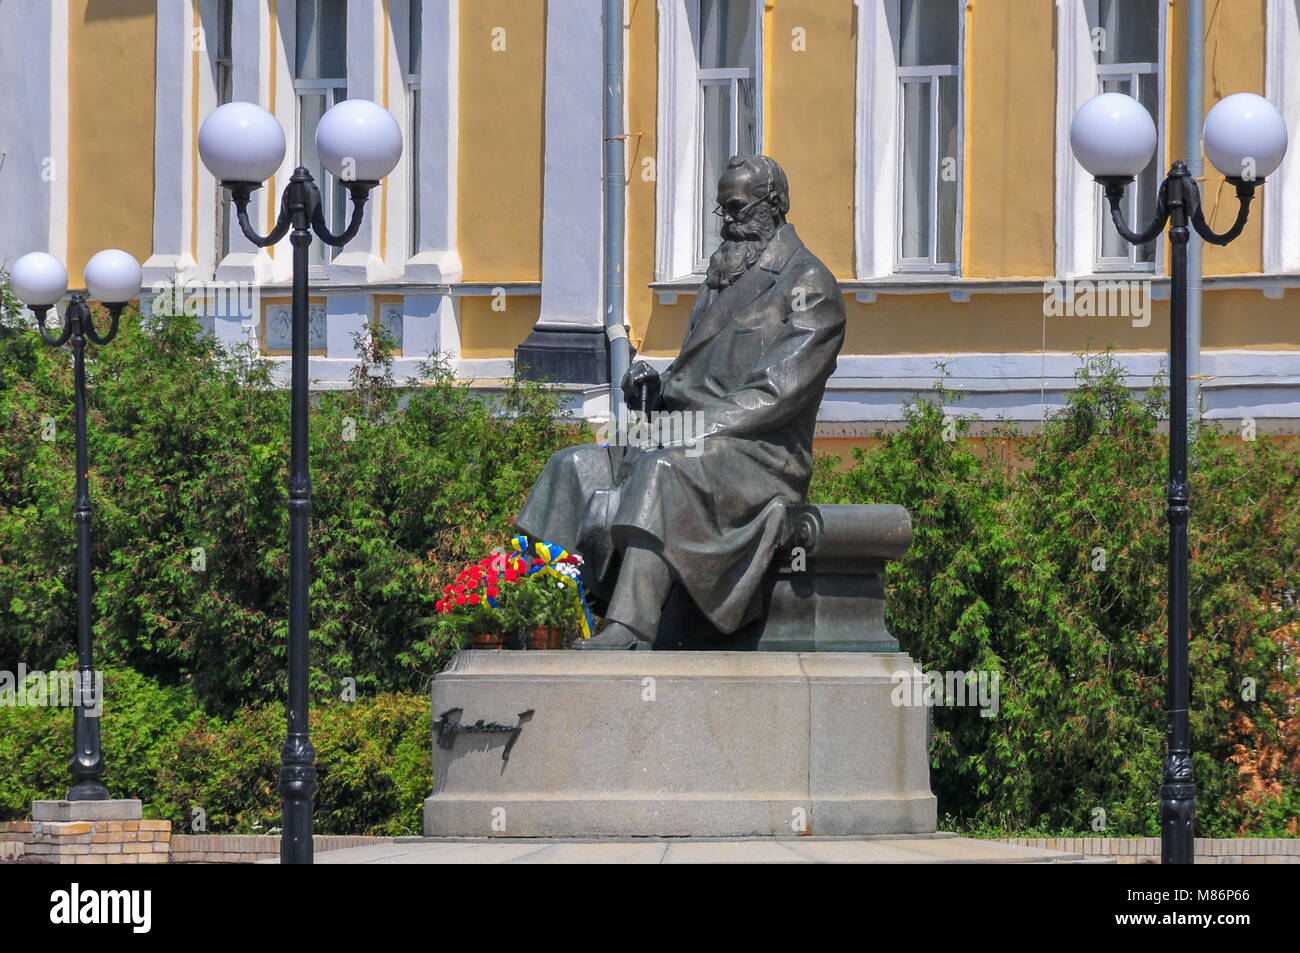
x,y
615,203
1195,118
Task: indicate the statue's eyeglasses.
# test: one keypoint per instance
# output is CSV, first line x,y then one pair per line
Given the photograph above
x,y
736,213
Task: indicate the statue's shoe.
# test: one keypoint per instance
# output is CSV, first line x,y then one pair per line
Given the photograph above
x,y
615,636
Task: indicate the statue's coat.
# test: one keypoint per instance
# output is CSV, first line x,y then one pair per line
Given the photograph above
x,y
754,363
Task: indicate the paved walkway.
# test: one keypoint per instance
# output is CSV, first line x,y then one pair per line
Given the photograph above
x,y
892,849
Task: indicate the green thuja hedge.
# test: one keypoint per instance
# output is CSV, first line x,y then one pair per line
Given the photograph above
x,y
188,461
208,773
189,454
1047,566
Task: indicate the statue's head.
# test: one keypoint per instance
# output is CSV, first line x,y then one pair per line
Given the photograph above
x,y
753,198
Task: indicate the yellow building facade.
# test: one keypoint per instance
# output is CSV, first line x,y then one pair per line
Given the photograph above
x,y
925,141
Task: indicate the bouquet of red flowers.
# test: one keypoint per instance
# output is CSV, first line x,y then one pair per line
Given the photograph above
x,y
538,584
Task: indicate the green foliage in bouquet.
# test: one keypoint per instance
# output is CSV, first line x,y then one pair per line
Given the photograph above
x,y
509,595
540,599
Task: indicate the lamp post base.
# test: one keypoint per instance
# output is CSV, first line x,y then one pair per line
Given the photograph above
x,y
88,791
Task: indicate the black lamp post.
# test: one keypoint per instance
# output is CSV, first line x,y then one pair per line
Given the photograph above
x,y
40,280
1113,137
242,145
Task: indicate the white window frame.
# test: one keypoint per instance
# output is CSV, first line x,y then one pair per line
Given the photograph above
x,y
729,77
1136,219
878,146
1282,88
1079,200
931,75
681,199
330,88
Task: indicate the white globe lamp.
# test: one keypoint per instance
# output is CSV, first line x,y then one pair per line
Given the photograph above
x,y
39,279
113,276
241,142
1245,136
358,141
1113,136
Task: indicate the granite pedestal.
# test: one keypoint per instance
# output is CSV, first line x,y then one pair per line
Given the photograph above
x,y
706,744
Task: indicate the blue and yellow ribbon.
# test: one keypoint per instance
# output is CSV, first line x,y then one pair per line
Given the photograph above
x,y
551,562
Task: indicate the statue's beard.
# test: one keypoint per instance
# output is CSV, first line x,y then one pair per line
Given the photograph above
x,y
743,243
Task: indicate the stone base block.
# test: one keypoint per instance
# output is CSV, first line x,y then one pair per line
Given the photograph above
x,y
55,838
573,355
706,744
121,809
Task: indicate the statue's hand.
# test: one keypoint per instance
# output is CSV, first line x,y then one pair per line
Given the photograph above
x,y
638,375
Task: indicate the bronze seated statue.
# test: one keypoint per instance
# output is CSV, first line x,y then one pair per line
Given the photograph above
x,y
679,532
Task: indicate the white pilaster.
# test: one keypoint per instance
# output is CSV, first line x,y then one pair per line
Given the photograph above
x,y
1282,89
436,259
34,129
572,204
173,172
429,327
252,65
346,316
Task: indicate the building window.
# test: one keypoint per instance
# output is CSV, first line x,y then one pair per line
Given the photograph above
x,y
1128,51
320,81
711,96
908,137
929,99
414,29
727,62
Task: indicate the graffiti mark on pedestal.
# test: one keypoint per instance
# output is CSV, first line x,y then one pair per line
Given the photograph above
x,y
448,725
